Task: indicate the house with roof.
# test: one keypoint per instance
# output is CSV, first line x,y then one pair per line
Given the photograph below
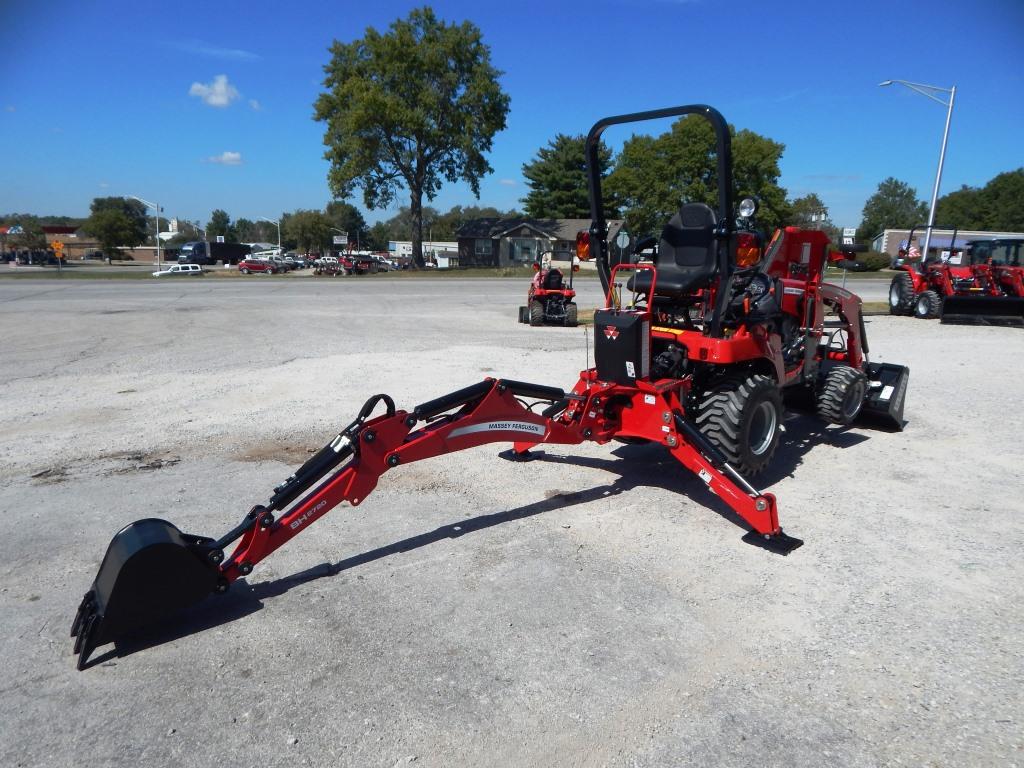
x,y
494,242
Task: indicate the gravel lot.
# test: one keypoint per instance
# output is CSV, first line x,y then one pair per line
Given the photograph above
x,y
595,608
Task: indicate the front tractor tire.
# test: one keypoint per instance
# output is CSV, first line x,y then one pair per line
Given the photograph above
x,y
742,416
901,295
928,305
571,315
842,394
536,313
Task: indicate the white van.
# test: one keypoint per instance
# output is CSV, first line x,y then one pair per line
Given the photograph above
x,y
180,269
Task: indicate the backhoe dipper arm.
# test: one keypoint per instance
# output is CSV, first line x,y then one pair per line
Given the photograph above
x,y
490,412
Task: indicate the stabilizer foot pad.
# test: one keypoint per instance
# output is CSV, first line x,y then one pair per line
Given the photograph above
x,y
780,543
513,455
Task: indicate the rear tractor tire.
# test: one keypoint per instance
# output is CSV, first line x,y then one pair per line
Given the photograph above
x,y
571,315
536,313
742,416
928,305
842,395
901,295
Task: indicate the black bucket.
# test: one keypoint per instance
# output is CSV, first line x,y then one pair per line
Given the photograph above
x,y
886,394
983,310
151,571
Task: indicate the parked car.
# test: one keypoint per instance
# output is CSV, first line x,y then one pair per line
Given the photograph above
x,y
257,265
280,263
180,269
358,264
296,262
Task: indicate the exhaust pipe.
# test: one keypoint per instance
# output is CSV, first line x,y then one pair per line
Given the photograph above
x,y
151,571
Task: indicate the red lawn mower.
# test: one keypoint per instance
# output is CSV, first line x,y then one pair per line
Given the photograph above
x,y
549,299
696,362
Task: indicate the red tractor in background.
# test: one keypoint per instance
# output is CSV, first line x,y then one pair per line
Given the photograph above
x,y
960,288
1002,257
549,299
696,362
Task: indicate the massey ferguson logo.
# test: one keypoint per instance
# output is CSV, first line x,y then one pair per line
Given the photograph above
x,y
611,332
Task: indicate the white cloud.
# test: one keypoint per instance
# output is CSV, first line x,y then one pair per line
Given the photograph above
x,y
255,105
200,48
219,93
508,182
226,158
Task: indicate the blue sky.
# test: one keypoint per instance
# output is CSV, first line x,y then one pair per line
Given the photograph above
x,y
203,105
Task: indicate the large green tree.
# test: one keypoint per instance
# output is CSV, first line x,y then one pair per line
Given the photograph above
x,y
893,206
310,230
557,178
378,237
347,217
654,175
220,226
410,108
116,222
963,208
1004,202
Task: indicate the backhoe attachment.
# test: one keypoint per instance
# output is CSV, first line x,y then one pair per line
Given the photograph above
x,y
153,571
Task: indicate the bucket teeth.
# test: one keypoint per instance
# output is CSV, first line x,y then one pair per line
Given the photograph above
x,y
84,631
88,606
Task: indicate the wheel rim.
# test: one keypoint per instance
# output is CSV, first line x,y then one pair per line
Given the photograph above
x,y
854,400
922,306
894,295
762,427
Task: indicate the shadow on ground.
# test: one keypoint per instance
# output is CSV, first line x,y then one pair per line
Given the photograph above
x,y
636,466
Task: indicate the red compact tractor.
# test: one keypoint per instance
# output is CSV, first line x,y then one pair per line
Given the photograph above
x,y
549,298
696,361
1003,259
958,289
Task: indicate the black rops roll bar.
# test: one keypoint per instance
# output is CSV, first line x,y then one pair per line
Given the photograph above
x,y
726,224
920,266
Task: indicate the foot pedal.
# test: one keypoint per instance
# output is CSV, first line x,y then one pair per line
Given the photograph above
x,y
779,543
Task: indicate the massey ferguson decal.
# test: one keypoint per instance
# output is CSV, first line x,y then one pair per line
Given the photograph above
x,y
500,426
611,332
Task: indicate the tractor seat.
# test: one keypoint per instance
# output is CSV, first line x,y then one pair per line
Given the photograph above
x,y
553,280
687,255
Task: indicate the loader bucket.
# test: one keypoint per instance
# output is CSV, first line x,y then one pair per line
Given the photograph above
x,y
151,571
983,310
887,391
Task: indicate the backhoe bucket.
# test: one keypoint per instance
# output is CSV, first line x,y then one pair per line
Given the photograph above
x,y
151,571
887,392
983,310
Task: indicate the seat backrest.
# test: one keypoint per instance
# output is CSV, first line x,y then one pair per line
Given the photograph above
x,y
553,280
687,254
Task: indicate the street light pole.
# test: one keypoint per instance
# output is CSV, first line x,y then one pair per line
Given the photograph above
x,y
155,207
929,91
278,225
